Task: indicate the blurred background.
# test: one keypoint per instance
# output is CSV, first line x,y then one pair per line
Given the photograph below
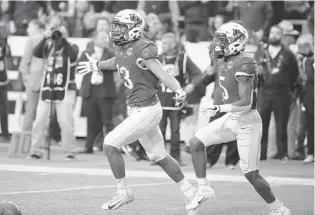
x,y
86,24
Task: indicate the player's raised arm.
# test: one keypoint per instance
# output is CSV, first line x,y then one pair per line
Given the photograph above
x,y
92,65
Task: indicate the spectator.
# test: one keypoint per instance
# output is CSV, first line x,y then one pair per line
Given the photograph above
x,y
196,20
98,92
5,56
177,63
306,50
163,9
58,88
289,34
24,11
256,16
31,69
76,22
279,78
116,6
154,27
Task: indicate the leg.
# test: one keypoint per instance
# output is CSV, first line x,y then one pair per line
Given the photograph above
x,y
64,112
310,136
281,112
137,124
105,108
292,125
300,131
30,109
232,157
39,128
153,143
94,124
4,113
249,133
213,153
213,133
175,134
163,122
265,113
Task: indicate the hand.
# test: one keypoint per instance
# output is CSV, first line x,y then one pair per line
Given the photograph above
x,y
260,34
86,67
210,111
189,88
179,97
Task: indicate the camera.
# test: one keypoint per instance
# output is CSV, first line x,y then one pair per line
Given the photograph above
x,y
56,35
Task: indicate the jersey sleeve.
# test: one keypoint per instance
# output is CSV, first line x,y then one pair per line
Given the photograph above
x,y
149,51
246,66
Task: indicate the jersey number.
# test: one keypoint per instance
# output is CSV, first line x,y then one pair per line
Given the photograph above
x,y
225,94
58,78
125,75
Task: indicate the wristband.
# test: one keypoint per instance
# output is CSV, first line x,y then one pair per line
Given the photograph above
x,y
225,108
179,91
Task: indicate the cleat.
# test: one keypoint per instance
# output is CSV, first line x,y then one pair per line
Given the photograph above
x,y
282,211
119,199
201,196
34,157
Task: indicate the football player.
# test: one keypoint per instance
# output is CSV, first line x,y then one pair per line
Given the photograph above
x,y
136,60
238,83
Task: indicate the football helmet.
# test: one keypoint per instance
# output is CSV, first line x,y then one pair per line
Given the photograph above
x,y
127,26
230,39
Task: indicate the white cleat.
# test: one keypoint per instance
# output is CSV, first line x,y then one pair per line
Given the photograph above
x,y
193,212
282,211
201,196
119,199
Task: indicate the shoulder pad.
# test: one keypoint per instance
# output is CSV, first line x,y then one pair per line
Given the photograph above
x,y
245,65
146,49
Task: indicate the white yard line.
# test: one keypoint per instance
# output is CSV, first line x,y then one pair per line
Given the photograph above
x,y
82,188
149,174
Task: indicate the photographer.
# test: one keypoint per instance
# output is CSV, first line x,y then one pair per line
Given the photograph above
x,y
58,90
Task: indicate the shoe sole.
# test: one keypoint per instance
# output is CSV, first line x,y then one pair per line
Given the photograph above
x,y
116,207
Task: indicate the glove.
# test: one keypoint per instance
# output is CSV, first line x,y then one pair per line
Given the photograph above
x,y
210,111
86,67
179,97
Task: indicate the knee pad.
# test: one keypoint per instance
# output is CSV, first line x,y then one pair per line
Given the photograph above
x,y
157,153
195,144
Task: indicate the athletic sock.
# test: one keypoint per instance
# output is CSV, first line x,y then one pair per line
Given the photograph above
x,y
276,205
186,187
202,183
121,184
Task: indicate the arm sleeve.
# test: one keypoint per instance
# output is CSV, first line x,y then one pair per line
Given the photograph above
x,y
193,71
72,51
26,59
268,15
294,68
39,49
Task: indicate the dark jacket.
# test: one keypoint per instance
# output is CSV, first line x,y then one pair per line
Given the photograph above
x,y
105,90
188,73
43,49
307,97
284,80
194,11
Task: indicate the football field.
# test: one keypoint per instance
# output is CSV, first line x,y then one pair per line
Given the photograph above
x,y
80,187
